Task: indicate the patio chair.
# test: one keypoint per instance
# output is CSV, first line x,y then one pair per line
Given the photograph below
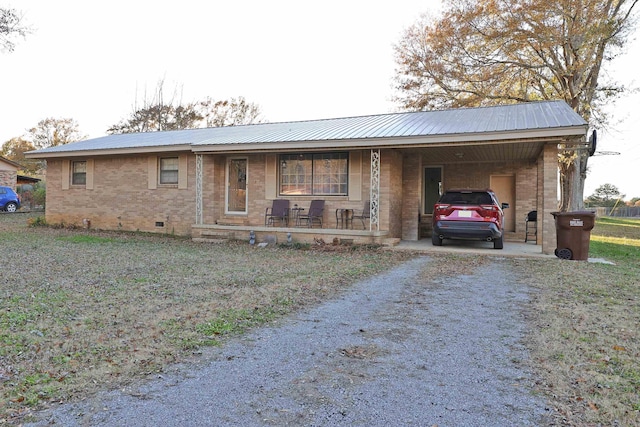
x,y
531,226
314,214
364,214
278,212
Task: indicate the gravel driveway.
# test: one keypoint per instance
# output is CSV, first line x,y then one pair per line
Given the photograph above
x,y
396,349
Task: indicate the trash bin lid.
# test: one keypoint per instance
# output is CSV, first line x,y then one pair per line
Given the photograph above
x,y
575,213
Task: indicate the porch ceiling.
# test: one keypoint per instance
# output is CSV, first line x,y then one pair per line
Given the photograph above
x,y
482,153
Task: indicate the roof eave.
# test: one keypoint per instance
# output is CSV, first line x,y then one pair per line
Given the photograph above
x,y
11,162
108,152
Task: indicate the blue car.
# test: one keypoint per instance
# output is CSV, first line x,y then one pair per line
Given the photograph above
x,y
9,200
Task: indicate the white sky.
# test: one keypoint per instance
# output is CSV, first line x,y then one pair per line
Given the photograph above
x,y
90,61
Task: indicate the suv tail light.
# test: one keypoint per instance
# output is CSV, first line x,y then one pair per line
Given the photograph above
x,y
490,211
442,209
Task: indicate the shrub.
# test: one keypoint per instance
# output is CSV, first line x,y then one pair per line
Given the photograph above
x,y
38,221
39,196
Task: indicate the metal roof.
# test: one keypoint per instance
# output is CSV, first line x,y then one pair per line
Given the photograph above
x,y
10,162
464,122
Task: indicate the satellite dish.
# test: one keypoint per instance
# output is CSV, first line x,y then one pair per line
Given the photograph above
x,y
593,140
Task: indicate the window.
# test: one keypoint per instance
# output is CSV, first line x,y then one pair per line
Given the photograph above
x,y
314,174
79,173
169,170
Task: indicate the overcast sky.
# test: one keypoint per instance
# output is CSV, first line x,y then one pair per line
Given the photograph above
x,y
90,61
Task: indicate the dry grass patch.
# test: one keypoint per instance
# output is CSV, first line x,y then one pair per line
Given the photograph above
x,y
82,311
443,266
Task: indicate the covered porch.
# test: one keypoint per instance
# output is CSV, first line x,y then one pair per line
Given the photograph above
x,y
396,181
350,218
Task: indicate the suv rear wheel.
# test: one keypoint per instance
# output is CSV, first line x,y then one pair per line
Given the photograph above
x,y
437,241
498,243
11,207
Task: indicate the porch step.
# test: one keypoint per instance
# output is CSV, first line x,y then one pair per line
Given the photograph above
x,y
213,236
391,242
425,226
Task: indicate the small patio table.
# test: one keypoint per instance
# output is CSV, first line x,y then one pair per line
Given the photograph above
x,y
344,218
296,214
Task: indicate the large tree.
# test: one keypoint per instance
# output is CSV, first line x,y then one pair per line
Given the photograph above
x,y
11,26
232,112
487,52
605,195
52,132
15,148
159,113
157,117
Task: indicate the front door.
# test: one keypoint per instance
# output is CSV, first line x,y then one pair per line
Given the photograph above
x,y
432,187
504,187
237,186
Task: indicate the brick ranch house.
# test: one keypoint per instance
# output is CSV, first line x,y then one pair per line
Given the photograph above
x,y
8,173
218,182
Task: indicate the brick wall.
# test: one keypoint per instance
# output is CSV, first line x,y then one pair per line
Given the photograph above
x,y
526,176
120,198
411,189
391,196
527,183
549,192
8,178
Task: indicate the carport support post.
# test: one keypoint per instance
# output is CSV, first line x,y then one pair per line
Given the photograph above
x,y
549,197
374,191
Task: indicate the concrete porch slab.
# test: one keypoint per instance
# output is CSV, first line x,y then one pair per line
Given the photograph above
x,y
511,248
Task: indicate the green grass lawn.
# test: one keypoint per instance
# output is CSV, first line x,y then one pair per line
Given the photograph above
x,y
584,335
616,239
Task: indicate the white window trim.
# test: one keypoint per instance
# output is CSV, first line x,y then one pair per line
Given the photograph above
x,y
168,184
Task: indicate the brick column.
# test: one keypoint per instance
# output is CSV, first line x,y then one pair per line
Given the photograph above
x,y
549,198
411,197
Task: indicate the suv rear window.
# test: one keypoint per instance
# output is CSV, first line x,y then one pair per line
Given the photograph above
x,y
466,198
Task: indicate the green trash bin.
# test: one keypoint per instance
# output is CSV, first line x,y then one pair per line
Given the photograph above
x,y
573,232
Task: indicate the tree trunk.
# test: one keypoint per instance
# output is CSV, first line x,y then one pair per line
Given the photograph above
x,y
575,198
580,179
566,168
572,177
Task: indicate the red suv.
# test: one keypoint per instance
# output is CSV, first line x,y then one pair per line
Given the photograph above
x,y
468,214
